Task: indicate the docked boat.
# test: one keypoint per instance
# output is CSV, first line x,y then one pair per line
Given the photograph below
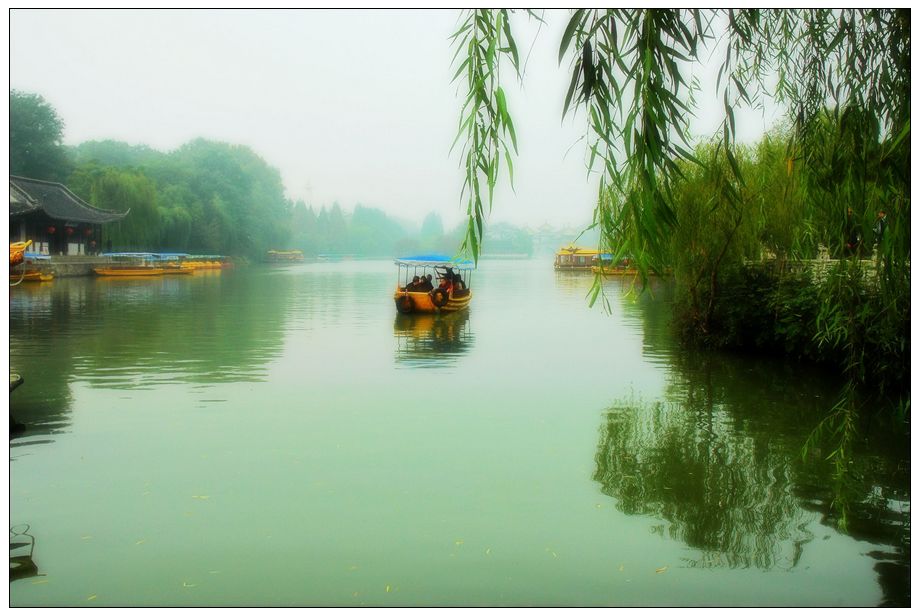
x,y
416,291
284,256
32,276
575,258
130,264
127,270
18,252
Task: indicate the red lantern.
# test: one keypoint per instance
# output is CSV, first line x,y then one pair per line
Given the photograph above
x,y
51,230
69,230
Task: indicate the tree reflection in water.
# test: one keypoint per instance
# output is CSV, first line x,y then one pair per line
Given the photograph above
x,y
720,460
722,492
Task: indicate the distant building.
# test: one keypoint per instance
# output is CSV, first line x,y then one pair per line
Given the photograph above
x,y
57,221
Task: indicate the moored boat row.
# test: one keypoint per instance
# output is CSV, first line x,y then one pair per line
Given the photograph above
x,y
133,264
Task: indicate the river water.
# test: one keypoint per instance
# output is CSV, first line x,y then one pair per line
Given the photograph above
x,y
279,436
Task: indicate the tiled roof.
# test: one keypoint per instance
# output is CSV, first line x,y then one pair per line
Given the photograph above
x,y
20,202
58,202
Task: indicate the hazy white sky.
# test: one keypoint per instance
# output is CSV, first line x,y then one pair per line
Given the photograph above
x,y
353,106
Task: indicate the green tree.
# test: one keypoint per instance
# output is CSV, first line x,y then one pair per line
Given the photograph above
x,y
36,139
122,190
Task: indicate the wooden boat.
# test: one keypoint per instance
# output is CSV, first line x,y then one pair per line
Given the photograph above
x,y
18,251
128,270
575,258
204,262
178,269
452,294
32,276
284,256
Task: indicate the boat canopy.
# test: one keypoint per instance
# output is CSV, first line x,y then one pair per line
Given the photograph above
x,y
435,261
36,256
577,251
143,255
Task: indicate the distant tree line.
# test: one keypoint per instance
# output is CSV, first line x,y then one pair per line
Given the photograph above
x,y
214,198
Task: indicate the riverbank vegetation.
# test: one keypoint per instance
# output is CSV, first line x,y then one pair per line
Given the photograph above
x,y
215,198
743,229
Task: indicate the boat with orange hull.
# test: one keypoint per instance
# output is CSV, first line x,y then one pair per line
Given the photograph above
x,y
128,270
18,252
419,295
32,276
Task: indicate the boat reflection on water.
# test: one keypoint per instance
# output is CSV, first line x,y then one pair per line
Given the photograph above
x,y
432,340
22,547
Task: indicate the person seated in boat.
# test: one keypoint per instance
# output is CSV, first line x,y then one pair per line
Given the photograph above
x,y
458,282
424,284
413,286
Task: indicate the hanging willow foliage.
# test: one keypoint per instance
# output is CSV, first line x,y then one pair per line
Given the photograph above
x,y
843,76
630,75
485,126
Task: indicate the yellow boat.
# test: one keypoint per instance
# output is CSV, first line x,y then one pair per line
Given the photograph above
x,y
452,294
32,276
610,270
178,269
128,270
18,251
575,258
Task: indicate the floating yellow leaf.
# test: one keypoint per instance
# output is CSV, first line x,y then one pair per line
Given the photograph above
x,y
141,541
661,569
203,497
488,551
458,542
86,537
388,588
91,598
187,585
621,568
40,582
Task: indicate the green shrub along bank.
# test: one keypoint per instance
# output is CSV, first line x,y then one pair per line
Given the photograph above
x,y
844,319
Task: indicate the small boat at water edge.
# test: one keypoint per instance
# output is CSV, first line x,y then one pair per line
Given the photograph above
x,y
284,256
419,294
18,251
129,271
32,276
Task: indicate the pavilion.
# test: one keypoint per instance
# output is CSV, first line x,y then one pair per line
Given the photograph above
x,y
57,221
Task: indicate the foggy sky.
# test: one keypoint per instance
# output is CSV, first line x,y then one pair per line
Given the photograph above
x,y
353,106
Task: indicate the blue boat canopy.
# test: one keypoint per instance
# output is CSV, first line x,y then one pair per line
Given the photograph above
x,y
435,261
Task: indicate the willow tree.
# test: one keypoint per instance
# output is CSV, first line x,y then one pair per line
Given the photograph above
x,y
630,73
843,70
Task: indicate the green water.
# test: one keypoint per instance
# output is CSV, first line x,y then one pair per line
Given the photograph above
x,y
280,437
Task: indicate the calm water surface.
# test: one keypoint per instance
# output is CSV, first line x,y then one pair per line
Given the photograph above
x,y
282,437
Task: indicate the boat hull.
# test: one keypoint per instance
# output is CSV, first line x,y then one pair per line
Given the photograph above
x,y
32,277
129,271
421,302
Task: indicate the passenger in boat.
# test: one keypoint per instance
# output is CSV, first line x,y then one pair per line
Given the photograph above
x,y
425,284
458,282
413,286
